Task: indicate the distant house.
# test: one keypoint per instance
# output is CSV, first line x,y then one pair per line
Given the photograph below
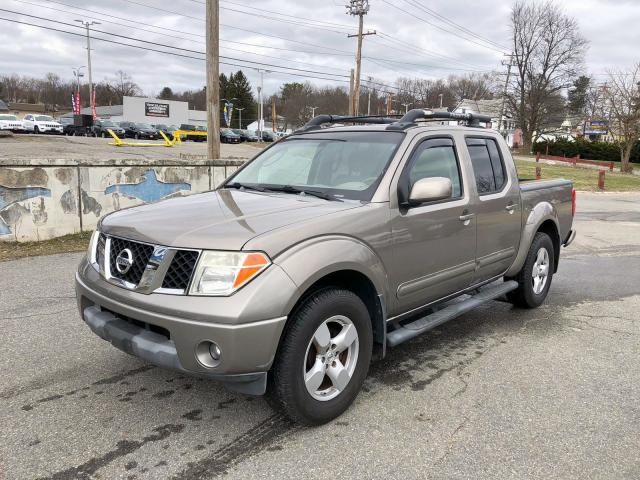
x,y
4,108
492,108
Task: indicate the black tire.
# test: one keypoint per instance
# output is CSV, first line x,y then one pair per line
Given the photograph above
x,y
103,135
137,136
525,296
36,130
287,392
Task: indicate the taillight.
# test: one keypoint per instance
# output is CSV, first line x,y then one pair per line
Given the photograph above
x,y
573,202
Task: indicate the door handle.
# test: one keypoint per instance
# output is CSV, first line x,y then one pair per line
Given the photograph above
x,y
466,217
511,207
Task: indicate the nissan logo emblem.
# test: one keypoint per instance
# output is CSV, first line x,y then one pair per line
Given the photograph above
x,y
124,261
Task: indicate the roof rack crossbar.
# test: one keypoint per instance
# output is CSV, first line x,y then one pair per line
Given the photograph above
x,y
316,122
412,116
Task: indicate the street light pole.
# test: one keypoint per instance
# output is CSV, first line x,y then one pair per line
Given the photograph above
x,y
88,27
240,117
260,106
313,111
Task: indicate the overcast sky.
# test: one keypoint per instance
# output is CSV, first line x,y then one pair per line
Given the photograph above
x,y
405,45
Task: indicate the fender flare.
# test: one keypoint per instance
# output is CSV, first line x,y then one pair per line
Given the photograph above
x,y
309,261
541,213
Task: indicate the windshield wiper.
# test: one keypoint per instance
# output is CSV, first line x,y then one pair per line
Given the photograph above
x,y
303,191
244,186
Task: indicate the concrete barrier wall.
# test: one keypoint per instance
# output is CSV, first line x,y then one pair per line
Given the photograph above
x,y
51,199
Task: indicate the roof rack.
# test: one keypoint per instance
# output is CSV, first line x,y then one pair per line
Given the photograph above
x,y
412,116
317,122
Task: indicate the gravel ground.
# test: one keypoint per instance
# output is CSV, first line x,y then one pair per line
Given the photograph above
x,y
497,393
49,147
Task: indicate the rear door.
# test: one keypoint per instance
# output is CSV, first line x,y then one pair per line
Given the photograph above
x,y
433,243
498,210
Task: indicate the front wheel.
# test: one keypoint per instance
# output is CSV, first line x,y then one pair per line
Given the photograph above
x,y
36,130
323,358
534,279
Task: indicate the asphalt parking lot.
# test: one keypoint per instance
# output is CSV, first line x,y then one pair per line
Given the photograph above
x,y
497,393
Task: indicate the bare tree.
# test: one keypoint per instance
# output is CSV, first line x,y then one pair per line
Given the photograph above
x,y
548,53
123,86
622,100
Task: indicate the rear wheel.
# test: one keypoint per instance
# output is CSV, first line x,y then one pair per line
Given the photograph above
x,y
103,135
323,358
534,279
36,130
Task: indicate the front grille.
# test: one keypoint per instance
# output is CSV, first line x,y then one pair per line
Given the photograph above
x,y
180,270
140,253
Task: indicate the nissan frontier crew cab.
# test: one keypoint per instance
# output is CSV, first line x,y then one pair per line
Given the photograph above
x,y
334,243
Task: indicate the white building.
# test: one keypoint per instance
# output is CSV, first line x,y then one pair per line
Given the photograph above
x,y
492,109
151,110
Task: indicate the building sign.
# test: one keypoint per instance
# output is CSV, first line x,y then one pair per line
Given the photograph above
x,y
152,109
596,127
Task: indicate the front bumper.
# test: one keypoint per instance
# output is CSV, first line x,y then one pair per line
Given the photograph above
x,y
166,330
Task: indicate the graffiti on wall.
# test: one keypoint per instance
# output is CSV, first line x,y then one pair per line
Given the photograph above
x,y
149,190
10,196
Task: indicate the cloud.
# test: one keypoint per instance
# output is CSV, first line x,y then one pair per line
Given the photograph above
x,y
406,44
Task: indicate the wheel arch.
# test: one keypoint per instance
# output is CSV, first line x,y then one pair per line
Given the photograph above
x,y
542,218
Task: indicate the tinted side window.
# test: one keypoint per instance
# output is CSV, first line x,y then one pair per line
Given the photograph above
x,y
487,164
435,161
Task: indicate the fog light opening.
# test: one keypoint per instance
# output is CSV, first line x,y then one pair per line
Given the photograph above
x,y
208,354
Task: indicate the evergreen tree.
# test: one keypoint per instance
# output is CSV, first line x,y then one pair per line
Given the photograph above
x,y
166,94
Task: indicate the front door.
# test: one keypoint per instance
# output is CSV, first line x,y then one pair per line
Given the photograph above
x,y
434,243
498,210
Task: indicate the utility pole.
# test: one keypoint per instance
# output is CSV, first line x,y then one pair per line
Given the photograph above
x,y
504,94
351,94
441,96
389,103
87,25
274,117
358,8
370,79
213,79
313,111
240,117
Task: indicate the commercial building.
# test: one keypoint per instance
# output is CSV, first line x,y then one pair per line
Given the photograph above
x,y
151,110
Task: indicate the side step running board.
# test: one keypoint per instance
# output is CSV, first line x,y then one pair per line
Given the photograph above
x,y
424,324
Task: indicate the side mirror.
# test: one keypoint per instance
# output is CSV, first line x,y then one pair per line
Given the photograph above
x,y
430,190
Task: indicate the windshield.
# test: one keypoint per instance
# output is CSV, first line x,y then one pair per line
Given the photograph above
x,y
44,118
107,123
160,126
344,164
144,125
8,117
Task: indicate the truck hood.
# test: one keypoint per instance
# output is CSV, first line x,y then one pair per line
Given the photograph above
x,y
221,220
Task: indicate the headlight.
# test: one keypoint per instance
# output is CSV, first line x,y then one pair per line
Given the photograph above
x,y
222,273
93,243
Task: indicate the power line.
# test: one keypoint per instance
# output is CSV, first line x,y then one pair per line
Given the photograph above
x,y
171,46
413,15
442,18
303,74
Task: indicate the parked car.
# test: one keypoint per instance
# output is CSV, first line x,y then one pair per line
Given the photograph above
x,y
101,126
139,130
268,136
330,244
246,135
229,136
11,122
41,124
161,127
77,125
192,128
